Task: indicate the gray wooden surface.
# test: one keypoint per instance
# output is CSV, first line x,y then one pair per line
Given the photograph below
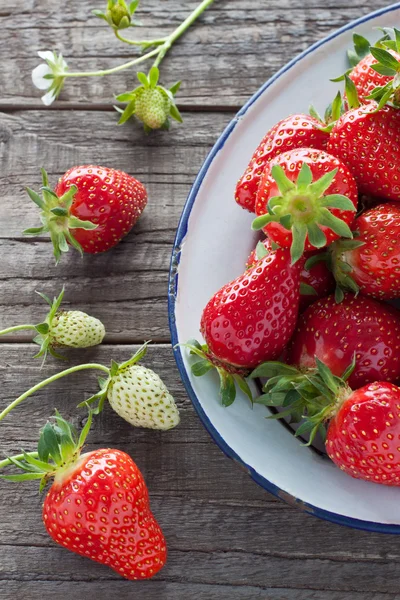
x,y
227,538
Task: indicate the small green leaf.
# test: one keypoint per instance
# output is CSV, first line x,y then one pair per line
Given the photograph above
x,y
175,114
361,45
272,369
286,222
201,367
133,6
316,236
125,97
283,182
383,70
128,112
34,231
261,251
299,233
350,369
50,441
326,375
385,58
270,399
338,201
337,225
143,79
243,386
313,260
227,388
175,88
85,431
307,290
34,196
339,295
323,183
314,113
351,93
99,14
260,222
304,177
42,328
154,75
76,223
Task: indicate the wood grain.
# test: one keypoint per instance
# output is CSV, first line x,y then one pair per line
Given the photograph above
x,y
234,47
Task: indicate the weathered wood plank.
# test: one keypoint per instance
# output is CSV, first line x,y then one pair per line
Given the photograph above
x,y
45,590
125,285
226,56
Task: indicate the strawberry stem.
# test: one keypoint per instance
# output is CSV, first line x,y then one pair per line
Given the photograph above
x,y
16,328
51,379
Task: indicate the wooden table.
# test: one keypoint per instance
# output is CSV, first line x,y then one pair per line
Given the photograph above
x,y
228,539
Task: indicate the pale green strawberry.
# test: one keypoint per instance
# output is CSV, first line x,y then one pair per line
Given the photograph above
x,y
76,329
151,103
152,107
71,328
137,394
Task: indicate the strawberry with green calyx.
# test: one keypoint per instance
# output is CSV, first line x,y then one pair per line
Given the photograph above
x,y
229,376
88,492
306,199
136,393
63,328
151,103
316,280
371,262
111,199
118,14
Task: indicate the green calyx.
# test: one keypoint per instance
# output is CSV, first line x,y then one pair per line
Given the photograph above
x,y
153,104
229,379
302,208
100,397
57,218
389,66
58,450
310,397
118,14
44,336
335,259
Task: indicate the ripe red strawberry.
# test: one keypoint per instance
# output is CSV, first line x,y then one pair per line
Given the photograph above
x,y
315,282
368,142
92,208
98,504
307,198
334,332
295,131
366,79
372,266
364,431
248,321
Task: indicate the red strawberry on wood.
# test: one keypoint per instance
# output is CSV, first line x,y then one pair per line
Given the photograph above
x,y
335,332
91,209
295,131
306,199
98,505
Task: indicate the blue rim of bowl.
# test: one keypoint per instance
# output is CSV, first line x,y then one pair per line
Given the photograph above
x,y
173,287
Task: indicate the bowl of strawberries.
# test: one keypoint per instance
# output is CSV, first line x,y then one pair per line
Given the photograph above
x,y
285,281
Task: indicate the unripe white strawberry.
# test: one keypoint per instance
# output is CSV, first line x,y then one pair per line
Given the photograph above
x,y
139,396
76,329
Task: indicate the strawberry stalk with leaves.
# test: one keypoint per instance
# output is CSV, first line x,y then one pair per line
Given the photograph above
x,y
62,328
151,103
136,393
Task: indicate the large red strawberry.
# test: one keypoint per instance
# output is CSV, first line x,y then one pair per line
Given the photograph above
x,y
91,209
248,321
315,282
98,505
295,131
307,199
368,142
335,332
364,431
372,262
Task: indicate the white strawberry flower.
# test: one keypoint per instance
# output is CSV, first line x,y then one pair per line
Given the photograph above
x,y
50,75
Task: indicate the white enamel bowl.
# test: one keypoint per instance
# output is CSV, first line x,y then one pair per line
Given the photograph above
x,y
212,243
